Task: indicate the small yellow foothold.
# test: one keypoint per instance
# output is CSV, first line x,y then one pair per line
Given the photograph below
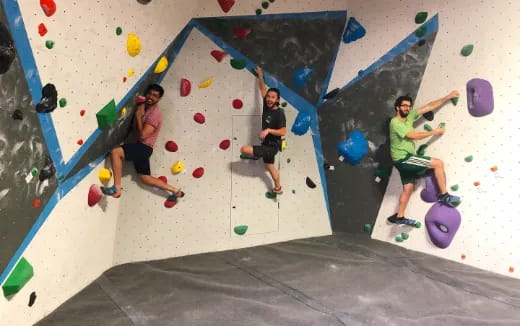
x,y
206,83
284,144
177,167
133,45
131,72
161,66
123,111
104,175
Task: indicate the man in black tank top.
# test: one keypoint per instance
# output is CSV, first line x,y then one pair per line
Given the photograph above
x,y
273,129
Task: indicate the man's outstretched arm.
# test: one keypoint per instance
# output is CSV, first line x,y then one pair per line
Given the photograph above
x,y
261,83
437,103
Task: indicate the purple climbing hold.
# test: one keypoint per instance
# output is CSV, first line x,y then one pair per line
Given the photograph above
x,y
442,223
354,31
431,191
480,97
301,76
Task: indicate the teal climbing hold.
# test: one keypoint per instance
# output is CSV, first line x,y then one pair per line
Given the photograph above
x,y
454,187
455,100
119,31
49,44
405,236
468,158
467,50
422,149
442,124
421,31
427,127
240,229
368,227
270,195
63,102
418,225
398,238
421,17
34,171
238,64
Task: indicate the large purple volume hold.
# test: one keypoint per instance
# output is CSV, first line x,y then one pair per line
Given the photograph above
x,y
442,223
480,97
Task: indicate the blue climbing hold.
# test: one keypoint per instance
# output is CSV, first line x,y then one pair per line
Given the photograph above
x,y
354,31
354,148
301,76
289,160
301,123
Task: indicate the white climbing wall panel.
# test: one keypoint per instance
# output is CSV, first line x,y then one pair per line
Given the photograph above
x,y
204,220
490,224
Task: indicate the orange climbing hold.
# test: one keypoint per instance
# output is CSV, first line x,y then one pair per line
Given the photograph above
x,y
48,7
237,104
218,55
494,168
476,183
42,30
80,142
462,256
511,269
224,144
226,5
242,33
94,195
185,87
36,203
199,118
82,112
198,172
171,146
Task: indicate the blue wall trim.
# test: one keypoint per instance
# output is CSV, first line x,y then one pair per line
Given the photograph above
x,y
306,15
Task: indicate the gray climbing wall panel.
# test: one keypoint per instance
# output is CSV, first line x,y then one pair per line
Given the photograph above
x,y
367,106
284,45
22,147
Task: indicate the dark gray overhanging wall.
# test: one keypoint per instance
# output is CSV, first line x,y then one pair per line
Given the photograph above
x,y
367,106
283,45
22,147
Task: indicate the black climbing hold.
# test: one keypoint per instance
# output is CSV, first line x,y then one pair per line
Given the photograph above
x,y
7,52
49,100
326,166
421,17
421,42
331,94
48,169
310,183
144,2
428,115
17,115
265,4
32,299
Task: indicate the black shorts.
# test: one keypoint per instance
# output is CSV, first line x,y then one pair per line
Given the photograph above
x,y
267,152
140,154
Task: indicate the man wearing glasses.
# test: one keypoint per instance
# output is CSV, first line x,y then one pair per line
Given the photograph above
x,y
410,165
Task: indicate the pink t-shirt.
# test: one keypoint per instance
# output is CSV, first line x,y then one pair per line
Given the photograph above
x,y
153,117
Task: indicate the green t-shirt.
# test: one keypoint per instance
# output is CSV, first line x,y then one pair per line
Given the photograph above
x,y
400,146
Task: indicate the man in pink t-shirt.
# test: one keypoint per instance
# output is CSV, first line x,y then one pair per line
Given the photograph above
x,y
147,123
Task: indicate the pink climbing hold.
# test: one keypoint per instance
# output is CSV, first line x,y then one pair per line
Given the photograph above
x,y
242,33
185,87
171,146
42,30
163,179
198,172
199,118
225,144
140,99
94,195
169,204
226,5
237,104
48,7
218,55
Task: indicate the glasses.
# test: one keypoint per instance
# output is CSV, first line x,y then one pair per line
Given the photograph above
x,y
406,106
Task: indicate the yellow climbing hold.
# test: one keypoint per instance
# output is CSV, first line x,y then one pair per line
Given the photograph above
x,y
104,175
123,111
206,83
133,45
161,65
131,72
177,167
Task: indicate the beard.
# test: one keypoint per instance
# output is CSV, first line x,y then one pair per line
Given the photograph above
x,y
403,114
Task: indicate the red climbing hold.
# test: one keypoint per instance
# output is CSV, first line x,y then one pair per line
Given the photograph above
x,y
224,144
171,146
82,112
242,33
163,179
226,4
198,172
219,55
48,6
42,30
80,142
140,99
94,195
185,87
199,118
237,104
36,203
169,204
124,79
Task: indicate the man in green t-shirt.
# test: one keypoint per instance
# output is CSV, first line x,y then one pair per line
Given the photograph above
x,y
410,165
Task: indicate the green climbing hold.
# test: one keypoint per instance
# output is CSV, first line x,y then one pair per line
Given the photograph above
x,y
61,177
368,227
383,174
427,127
468,158
223,24
284,104
238,64
421,17
421,31
240,229
422,149
418,225
455,100
405,236
34,171
63,102
270,195
258,12
442,124
398,239
454,187
49,44
265,4
119,30
107,115
466,50
20,275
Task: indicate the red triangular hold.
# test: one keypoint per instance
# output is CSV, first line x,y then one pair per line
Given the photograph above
x,y
94,195
219,55
226,5
242,33
48,7
42,30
